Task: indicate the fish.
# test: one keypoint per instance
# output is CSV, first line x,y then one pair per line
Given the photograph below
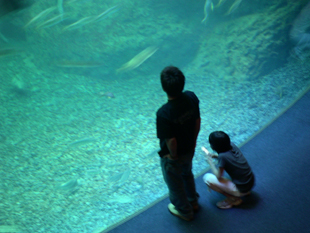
x,y
60,7
78,64
115,177
108,94
50,22
120,177
90,19
40,15
106,13
121,199
152,154
69,185
138,59
9,52
79,23
113,165
233,7
125,176
207,7
221,2
140,181
81,142
4,38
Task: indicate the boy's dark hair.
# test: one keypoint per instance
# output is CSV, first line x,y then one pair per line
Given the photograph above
x,y
172,81
219,141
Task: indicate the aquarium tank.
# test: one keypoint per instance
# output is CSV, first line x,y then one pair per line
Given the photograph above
x,y
80,87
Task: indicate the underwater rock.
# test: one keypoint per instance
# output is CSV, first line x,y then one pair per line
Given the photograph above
x,y
300,34
247,47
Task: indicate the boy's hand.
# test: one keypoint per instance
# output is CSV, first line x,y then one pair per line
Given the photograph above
x,y
208,155
171,158
205,150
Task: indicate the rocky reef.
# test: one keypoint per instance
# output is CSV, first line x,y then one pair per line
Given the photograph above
x,y
300,32
249,42
249,46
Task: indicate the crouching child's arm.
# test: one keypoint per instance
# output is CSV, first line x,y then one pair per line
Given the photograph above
x,y
217,172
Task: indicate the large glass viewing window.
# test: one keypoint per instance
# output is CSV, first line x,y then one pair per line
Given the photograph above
x,y
80,88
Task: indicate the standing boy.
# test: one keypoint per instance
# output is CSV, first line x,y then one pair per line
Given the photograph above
x,y
178,125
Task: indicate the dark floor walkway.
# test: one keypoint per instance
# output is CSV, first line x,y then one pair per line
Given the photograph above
x,y
280,202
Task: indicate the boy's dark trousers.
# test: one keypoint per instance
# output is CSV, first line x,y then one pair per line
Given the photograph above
x,y
180,181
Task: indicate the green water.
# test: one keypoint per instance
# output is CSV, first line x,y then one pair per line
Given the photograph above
x,y
78,139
